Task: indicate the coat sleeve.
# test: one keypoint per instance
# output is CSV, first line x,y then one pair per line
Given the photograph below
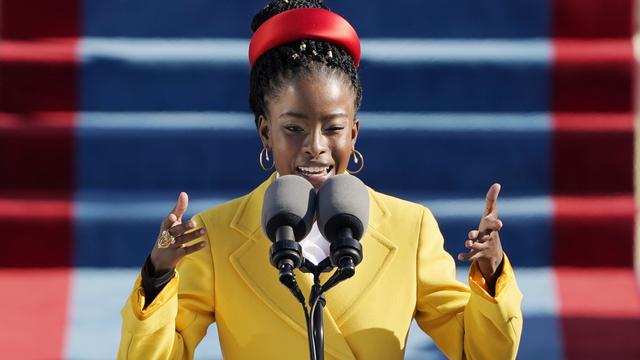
x,y
176,321
465,323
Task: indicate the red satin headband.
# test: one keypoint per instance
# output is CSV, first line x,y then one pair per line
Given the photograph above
x,y
303,24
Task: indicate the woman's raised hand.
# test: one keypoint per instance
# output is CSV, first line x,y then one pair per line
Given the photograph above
x,y
170,246
484,243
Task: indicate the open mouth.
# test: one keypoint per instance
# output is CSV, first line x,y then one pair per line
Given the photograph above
x,y
316,175
310,171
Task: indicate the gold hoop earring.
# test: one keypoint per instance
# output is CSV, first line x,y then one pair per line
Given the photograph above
x,y
356,155
265,151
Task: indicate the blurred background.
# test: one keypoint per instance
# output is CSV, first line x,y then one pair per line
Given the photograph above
x,y
109,108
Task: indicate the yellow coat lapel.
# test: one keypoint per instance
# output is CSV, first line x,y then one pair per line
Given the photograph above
x,y
251,261
377,251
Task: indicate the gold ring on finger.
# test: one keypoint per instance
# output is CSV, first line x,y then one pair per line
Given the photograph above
x,y
165,239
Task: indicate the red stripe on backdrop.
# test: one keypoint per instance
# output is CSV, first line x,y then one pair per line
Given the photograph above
x,y
60,51
33,309
593,18
593,76
600,313
594,231
593,153
24,19
37,152
37,231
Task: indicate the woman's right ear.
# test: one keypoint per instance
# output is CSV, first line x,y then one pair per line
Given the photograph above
x,y
264,130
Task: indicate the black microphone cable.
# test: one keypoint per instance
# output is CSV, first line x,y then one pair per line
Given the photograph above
x,y
313,330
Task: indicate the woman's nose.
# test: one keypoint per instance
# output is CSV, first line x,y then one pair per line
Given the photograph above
x,y
316,143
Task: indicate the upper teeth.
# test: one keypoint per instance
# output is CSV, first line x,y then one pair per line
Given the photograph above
x,y
313,169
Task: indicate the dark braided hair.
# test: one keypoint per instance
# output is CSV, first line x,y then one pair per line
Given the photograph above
x,y
305,57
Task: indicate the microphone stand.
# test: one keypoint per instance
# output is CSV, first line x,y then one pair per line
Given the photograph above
x,y
317,301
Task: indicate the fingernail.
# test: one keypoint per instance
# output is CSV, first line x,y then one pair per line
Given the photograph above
x,y
202,231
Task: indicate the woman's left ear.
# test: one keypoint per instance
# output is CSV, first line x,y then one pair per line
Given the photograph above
x,y
354,131
264,131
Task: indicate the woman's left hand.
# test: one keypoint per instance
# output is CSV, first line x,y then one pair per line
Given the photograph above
x,y
484,243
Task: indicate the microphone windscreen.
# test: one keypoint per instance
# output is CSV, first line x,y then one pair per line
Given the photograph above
x,y
289,201
343,201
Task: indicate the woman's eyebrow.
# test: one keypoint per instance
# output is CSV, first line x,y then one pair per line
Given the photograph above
x,y
293,115
327,117
334,116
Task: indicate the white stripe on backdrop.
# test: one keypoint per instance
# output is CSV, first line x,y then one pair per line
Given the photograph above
x,y
187,51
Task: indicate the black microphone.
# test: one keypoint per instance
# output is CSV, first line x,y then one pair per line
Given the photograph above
x,y
343,216
287,217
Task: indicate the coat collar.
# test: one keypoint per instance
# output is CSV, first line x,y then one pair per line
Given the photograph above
x,y
251,261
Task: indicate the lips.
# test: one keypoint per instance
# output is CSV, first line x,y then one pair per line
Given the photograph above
x,y
316,174
314,170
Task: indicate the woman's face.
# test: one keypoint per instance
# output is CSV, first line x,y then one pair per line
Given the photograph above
x,y
311,128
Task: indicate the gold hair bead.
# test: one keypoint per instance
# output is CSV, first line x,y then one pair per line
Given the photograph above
x,y
303,46
329,54
295,56
286,1
314,53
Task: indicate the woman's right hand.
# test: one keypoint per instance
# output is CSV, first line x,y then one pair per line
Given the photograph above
x,y
165,256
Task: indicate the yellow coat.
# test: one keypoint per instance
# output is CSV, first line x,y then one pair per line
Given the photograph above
x,y
405,274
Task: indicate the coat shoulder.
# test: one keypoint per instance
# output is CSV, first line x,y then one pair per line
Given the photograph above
x,y
398,207
222,213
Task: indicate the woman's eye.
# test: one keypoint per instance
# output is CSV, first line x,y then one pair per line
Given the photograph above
x,y
293,128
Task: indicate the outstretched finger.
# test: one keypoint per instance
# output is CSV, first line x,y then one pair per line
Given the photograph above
x,y
466,256
181,205
477,255
491,201
185,238
186,250
175,216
